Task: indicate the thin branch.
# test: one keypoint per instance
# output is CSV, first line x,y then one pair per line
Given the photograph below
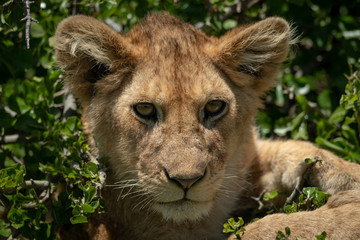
x,y
45,195
5,202
7,4
74,5
69,105
13,138
28,18
39,184
259,200
11,155
59,93
9,111
60,105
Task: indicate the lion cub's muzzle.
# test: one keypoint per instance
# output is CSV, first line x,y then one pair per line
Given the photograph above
x,y
185,181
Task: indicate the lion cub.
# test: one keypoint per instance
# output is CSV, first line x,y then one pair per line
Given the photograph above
x,y
174,110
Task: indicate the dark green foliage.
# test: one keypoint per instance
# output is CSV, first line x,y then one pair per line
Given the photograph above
x,y
286,236
310,199
48,178
283,236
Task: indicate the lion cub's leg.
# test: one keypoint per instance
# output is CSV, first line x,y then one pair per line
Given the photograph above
x,y
339,218
281,166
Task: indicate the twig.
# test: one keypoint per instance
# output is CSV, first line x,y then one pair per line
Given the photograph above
x,y
37,184
40,184
9,111
45,195
11,155
7,3
28,19
59,93
60,105
6,203
69,105
259,200
13,138
74,5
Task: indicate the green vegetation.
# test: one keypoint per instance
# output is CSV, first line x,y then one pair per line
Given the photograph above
x,y
235,227
310,199
48,177
286,236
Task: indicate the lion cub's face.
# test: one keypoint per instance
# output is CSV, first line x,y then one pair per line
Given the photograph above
x,y
174,130
170,106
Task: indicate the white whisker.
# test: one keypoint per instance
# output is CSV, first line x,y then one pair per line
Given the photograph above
x,y
135,192
127,185
126,180
144,200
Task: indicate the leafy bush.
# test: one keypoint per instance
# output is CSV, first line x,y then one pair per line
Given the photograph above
x,y
48,177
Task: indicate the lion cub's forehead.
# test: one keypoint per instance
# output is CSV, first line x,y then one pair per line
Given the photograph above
x,y
188,81
163,33
171,61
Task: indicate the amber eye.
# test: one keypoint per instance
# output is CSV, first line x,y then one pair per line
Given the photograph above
x,y
145,110
214,108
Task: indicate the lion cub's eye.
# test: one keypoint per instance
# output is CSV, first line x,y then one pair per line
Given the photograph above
x,y
145,110
215,108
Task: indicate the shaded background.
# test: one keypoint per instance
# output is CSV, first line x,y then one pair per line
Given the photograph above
x,y
316,97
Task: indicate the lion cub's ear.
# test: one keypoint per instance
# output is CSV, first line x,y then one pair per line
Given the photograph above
x,y
87,51
251,55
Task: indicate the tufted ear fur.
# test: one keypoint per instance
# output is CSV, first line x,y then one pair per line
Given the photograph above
x,y
88,51
251,55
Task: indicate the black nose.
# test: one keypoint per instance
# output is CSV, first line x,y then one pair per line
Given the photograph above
x,y
185,182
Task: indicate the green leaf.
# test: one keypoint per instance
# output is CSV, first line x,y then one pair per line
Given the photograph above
x,y
5,229
338,115
291,208
17,217
270,195
88,208
280,235
28,124
324,100
90,193
37,31
92,167
308,160
287,231
78,219
322,236
229,24
283,126
331,146
303,102
12,176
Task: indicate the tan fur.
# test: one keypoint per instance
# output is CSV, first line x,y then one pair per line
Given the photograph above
x,y
179,70
338,218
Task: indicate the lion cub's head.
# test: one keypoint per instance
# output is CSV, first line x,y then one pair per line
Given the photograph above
x,y
171,106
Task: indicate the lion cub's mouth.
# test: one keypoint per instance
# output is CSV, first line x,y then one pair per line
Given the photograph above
x,y
183,209
181,201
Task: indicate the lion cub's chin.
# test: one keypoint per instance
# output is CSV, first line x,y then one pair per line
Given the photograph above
x,y
183,210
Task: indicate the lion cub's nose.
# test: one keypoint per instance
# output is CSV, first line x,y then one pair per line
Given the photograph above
x,y
185,182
